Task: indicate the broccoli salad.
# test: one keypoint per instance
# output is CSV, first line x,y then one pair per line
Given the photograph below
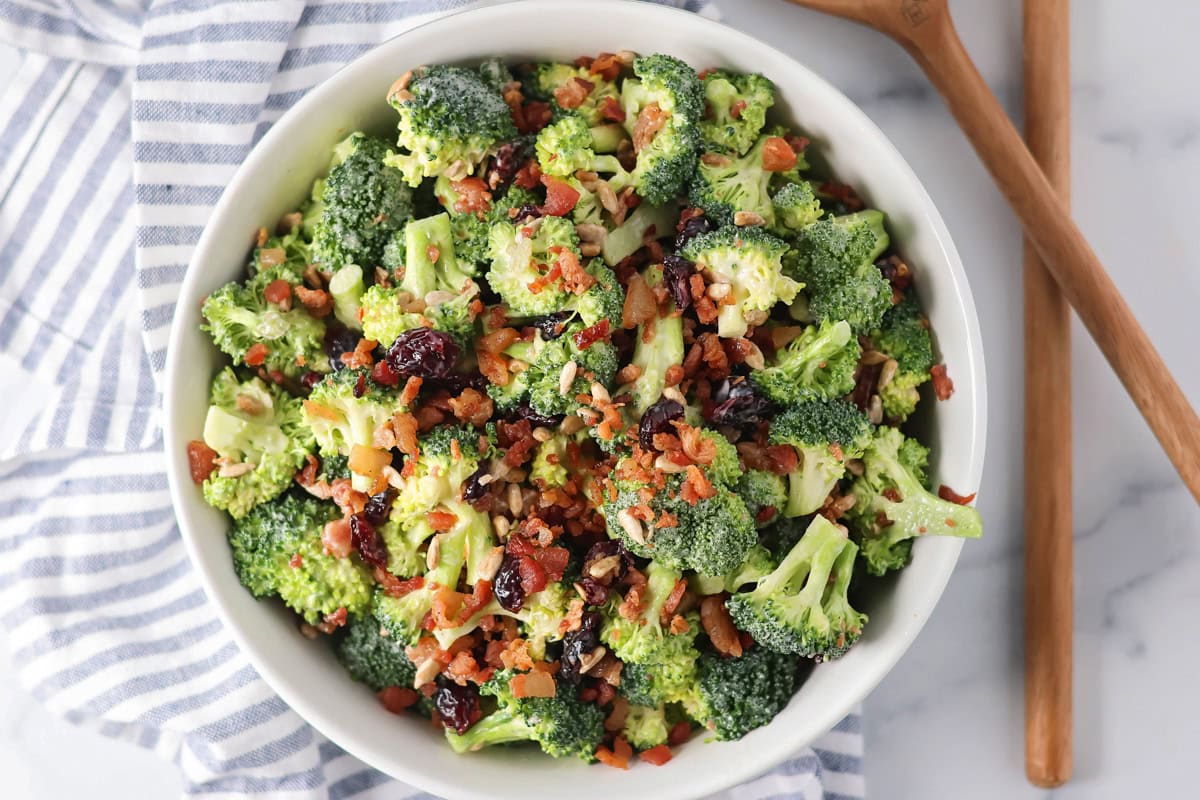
x,y
573,413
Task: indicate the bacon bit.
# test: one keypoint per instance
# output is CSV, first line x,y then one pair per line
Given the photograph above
x,y
202,460
628,373
946,493
607,66
347,498
256,355
533,575
639,303
943,387
473,196
765,515
517,439
260,237
891,494
384,375
666,520
843,194
615,720
553,560
532,684
529,176
659,754
542,281
600,332
296,561
411,388
336,538
331,622
632,605
472,406
777,155
574,617
561,197
462,667
679,625
679,734
696,486
574,279
571,94
713,354
673,375
671,604
649,122
515,655
279,292
441,520
611,110
396,698
361,356
394,587
698,448
737,108
405,426
318,302
715,619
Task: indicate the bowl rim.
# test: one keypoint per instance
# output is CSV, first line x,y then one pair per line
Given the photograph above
x,y
175,385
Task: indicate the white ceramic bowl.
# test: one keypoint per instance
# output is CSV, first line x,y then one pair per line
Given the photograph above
x,y
277,175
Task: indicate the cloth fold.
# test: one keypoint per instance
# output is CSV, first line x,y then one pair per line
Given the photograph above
x,y
118,131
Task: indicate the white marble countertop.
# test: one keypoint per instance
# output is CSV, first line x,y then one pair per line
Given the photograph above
x,y
948,721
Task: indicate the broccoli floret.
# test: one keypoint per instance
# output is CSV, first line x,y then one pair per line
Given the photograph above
x,y
737,108
629,237
802,607
384,316
258,430
736,695
796,206
749,260
760,490
364,202
712,536
346,288
540,382
341,421
549,464
835,258
242,321
430,263
658,346
782,535
516,258
817,364
826,434
290,251
277,550
759,563
371,658
448,116
663,663
904,335
495,73
893,507
646,726
562,725
551,76
725,184
569,146
665,86
469,227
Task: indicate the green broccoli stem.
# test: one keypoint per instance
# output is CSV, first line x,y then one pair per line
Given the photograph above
x,y
430,263
346,288
810,560
500,727
607,138
817,476
629,237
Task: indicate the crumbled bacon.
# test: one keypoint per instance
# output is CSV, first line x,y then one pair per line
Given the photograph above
x,y
336,538
600,332
946,493
573,92
650,121
441,520
395,587
715,620
777,155
532,684
607,66
318,302
405,427
561,197
202,460
529,176
657,755
472,406
397,698
574,278
943,387
696,486
618,756
611,110
473,196
843,194
361,355
279,292
674,599
256,355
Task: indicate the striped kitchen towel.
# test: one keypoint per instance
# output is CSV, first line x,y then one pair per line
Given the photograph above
x,y
118,130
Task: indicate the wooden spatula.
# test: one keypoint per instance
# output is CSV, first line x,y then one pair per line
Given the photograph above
x,y
1048,564
925,30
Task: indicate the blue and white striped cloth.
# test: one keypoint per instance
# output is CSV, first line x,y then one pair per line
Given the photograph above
x,y
118,130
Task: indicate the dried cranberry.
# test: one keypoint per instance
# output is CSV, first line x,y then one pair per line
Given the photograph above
x,y
525,411
553,325
455,382
379,506
338,340
367,541
677,273
691,229
865,379
507,161
423,352
510,594
738,404
577,644
658,419
594,592
527,212
472,489
310,379
360,386
457,706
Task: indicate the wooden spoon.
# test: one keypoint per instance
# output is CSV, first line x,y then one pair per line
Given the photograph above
x,y
1048,568
925,30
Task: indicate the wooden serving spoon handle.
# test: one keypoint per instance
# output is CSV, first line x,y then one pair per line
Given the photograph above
x,y
1049,570
925,29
